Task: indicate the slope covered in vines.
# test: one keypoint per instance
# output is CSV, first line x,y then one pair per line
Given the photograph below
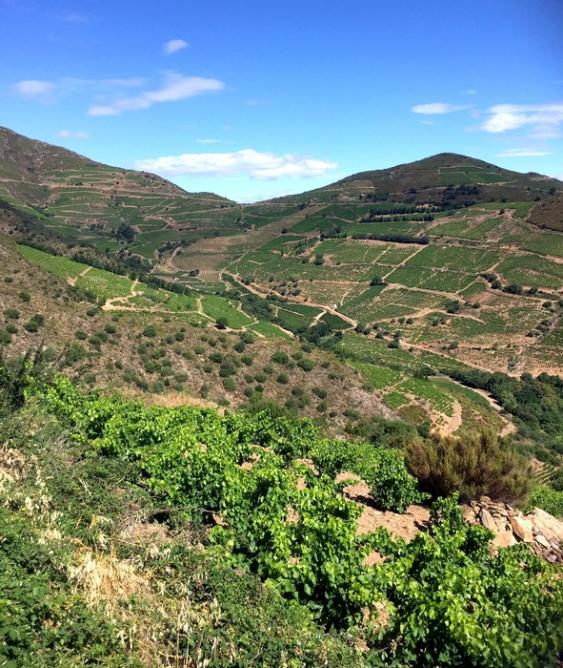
x,y
260,492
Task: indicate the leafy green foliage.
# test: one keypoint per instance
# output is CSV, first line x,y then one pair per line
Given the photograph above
x,y
194,458
537,403
548,499
42,621
450,602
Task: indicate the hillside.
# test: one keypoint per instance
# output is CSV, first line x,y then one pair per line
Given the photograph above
x,y
78,200
212,430
442,179
400,301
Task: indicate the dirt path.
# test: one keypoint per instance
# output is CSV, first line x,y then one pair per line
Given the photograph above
x,y
72,280
261,292
318,317
168,264
454,420
402,264
509,426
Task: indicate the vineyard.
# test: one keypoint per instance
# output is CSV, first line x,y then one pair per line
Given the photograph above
x,y
260,492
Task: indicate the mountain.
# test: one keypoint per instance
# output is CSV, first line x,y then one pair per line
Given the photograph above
x,y
444,179
79,200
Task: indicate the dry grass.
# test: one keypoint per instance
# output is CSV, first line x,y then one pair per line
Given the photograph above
x,y
104,578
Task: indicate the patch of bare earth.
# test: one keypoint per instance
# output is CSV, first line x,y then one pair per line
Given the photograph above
x,y
400,525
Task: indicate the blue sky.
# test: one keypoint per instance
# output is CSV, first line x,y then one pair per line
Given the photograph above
x,y
255,99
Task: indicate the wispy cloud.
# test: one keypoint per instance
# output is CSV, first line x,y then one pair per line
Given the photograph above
x,y
432,108
543,120
175,87
248,162
174,45
72,134
470,91
48,91
35,88
208,141
522,153
76,17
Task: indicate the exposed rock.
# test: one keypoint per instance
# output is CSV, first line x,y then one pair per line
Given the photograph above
x,y
547,525
522,528
542,541
540,530
487,520
504,538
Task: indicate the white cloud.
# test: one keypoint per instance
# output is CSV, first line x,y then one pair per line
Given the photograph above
x,y
174,45
208,141
522,153
72,134
35,88
432,108
543,119
176,87
249,162
470,91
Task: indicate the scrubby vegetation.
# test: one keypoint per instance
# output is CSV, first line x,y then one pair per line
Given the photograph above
x,y
537,403
252,532
475,465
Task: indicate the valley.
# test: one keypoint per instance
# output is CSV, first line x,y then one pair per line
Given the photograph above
x,y
298,392
401,277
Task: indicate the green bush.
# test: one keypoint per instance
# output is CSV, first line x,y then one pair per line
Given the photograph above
x,y
12,313
229,384
450,602
149,331
548,499
306,364
471,465
280,357
34,323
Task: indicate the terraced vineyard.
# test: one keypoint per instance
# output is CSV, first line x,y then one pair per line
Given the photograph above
x,y
408,274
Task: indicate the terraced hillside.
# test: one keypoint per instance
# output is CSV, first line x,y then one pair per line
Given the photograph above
x,y
445,178
81,201
407,285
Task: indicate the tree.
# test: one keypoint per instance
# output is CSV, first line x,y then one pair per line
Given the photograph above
x,y
125,233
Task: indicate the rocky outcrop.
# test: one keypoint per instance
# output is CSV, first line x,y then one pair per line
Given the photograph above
x,y
540,530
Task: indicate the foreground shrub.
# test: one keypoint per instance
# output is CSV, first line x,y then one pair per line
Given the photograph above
x,y
471,465
444,599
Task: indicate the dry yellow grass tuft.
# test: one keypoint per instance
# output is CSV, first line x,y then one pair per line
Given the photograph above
x,y
103,578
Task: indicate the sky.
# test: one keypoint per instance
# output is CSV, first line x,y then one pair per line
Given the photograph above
x,y
257,99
